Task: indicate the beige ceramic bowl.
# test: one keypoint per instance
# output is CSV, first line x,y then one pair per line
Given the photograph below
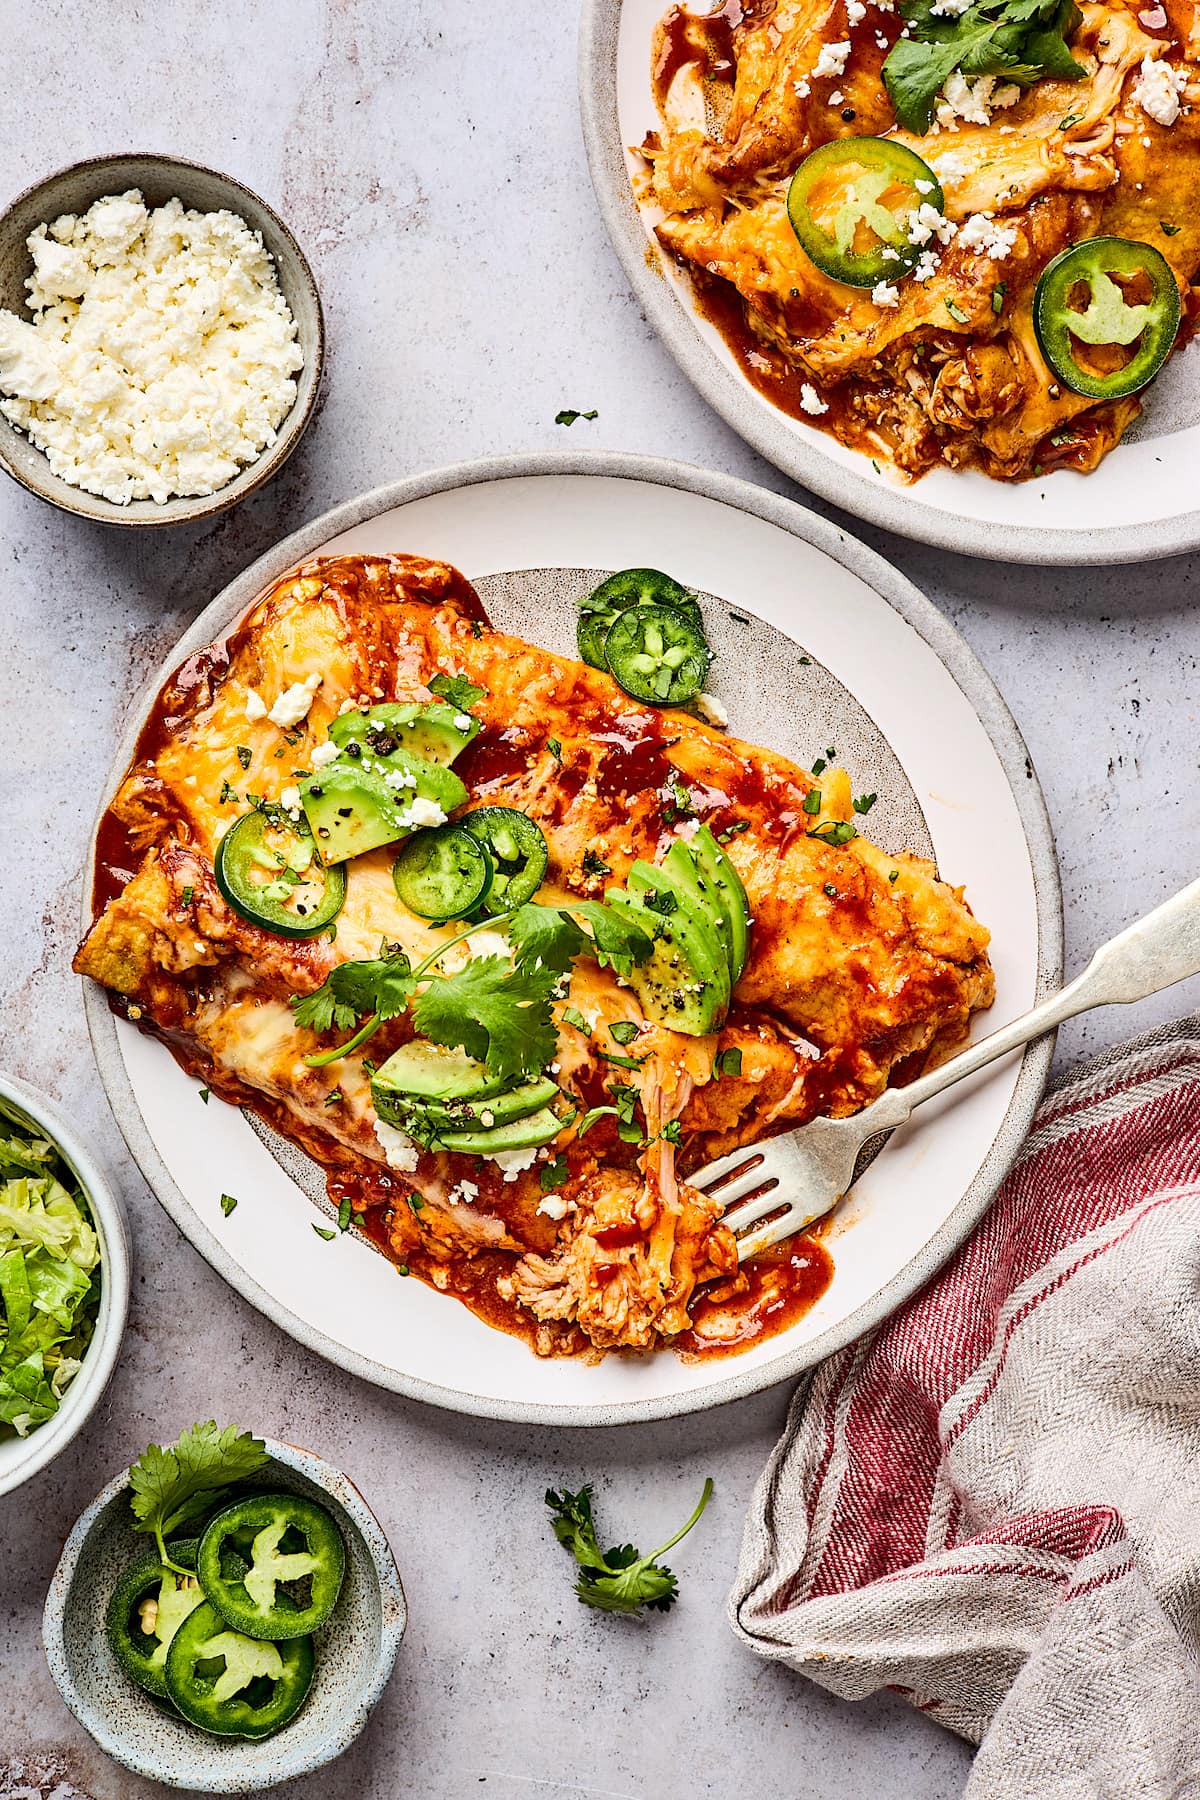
x,y
160,178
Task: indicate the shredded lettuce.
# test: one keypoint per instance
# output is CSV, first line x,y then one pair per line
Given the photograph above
x,y
49,1284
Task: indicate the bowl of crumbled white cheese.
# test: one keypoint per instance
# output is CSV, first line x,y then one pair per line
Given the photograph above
x,y
161,341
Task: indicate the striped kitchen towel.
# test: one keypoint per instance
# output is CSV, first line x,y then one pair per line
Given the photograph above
x,y
992,1503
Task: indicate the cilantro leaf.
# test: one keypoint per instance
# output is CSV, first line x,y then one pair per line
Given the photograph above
x,y
499,1015
616,944
545,935
173,1487
569,414
553,1175
621,1579
353,990
456,690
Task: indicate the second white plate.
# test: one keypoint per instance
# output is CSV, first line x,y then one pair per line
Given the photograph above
x,y
1140,503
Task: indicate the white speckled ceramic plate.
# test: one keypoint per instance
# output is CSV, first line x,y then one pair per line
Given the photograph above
x,y
1140,503
819,642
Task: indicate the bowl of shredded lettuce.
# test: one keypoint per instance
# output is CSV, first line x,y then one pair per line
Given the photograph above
x,y
64,1282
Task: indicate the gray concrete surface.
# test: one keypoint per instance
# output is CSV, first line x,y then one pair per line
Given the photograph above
x,y
429,159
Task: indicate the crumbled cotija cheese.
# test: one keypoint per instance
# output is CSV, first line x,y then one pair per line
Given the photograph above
x,y
710,708
1158,90
832,60
293,704
397,1147
987,237
811,401
161,355
974,101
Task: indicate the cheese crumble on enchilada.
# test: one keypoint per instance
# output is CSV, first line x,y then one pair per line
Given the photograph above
x,y
500,994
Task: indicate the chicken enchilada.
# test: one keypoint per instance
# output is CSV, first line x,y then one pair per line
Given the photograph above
x,y
949,232
508,949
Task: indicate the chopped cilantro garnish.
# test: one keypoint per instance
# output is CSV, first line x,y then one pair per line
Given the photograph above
x,y
322,1232
345,1215
569,414
727,1062
243,755
623,1030
865,802
622,1062
456,690
227,1204
572,1016
957,313
837,834
812,801
555,748
594,865
187,895
554,1174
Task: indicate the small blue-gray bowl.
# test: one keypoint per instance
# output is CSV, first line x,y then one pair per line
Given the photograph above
x,y
355,1650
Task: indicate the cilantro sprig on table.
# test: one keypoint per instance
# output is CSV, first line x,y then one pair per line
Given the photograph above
x,y
499,1012
621,1579
1018,41
173,1487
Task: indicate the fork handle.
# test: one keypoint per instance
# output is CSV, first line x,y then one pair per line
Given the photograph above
x,y
1152,954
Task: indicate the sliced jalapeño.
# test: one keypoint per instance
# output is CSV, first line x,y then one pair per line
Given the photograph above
x,y
1101,336
518,853
442,874
851,205
269,871
658,655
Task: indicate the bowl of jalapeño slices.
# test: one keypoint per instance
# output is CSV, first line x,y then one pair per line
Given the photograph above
x,y
225,1614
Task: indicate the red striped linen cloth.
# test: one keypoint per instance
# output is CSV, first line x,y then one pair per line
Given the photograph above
x,y
991,1504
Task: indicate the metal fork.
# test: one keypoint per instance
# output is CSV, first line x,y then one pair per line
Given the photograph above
x,y
807,1171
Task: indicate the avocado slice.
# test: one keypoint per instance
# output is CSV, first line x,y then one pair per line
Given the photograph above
x,y
422,1071
349,810
684,870
430,729
485,1113
724,881
538,1128
356,804
672,988
692,920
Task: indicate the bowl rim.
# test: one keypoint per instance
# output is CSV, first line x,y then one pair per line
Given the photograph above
x,y
271,460
393,1623
100,1359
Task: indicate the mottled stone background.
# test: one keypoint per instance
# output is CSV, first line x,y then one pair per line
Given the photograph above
x,y
429,159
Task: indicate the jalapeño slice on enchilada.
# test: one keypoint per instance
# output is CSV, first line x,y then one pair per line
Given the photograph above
x,y
851,205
